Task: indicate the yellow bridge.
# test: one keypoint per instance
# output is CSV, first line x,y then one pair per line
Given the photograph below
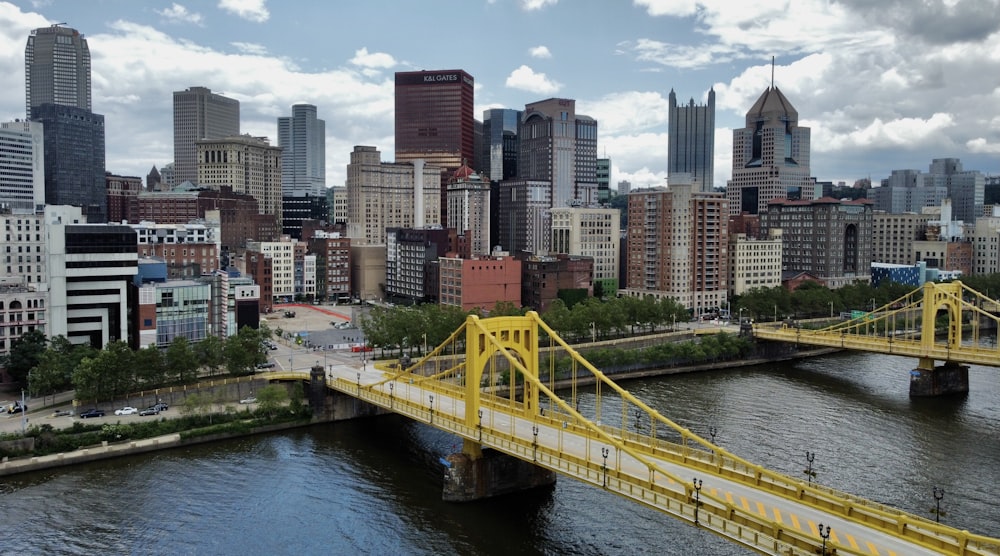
x,y
938,322
492,385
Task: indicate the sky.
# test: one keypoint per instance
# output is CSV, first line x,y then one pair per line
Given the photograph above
x,y
883,84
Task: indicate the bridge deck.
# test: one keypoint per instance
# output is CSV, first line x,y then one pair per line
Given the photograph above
x,y
738,503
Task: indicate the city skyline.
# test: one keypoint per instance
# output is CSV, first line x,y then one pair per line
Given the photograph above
x,y
875,102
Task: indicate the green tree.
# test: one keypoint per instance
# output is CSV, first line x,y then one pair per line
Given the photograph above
x,y
210,353
181,361
150,369
270,399
107,375
24,354
243,352
47,377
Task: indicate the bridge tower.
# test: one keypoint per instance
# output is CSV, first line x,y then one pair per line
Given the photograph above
x,y
473,474
951,377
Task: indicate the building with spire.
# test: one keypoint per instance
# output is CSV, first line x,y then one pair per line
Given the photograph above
x,y
770,156
691,143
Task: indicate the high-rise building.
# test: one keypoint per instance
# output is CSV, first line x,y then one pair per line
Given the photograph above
x,y
469,212
966,188
826,237
691,142
559,146
56,68
677,247
603,180
770,156
434,117
893,236
22,167
500,143
91,267
435,121
74,158
200,114
384,195
303,159
120,190
250,165
591,232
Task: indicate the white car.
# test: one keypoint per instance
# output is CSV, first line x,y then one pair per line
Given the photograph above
x,y
248,400
127,410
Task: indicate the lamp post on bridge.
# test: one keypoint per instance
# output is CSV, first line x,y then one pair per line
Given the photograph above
x,y
604,453
593,332
431,396
697,497
824,534
480,425
936,510
831,309
534,443
810,456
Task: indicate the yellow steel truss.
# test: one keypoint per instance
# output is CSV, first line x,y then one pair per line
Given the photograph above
x,y
497,364
909,326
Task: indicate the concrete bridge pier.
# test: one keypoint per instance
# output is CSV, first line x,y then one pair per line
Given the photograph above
x,y
328,405
949,379
468,478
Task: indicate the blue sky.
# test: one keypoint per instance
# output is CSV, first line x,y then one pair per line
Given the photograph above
x,y
884,84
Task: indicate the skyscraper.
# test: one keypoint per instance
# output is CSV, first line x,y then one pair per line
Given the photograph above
x,y
22,166
200,114
435,121
434,117
303,160
249,165
559,146
56,68
770,156
691,142
74,158
500,143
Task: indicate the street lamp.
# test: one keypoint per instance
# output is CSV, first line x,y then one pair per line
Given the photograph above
x,y
431,396
593,333
425,342
938,495
697,497
810,456
873,304
534,443
741,315
775,313
831,309
824,534
604,453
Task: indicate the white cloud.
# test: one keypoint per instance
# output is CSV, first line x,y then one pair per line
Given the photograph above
x,y
981,145
250,48
177,13
677,8
373,60
531,5
250,10
540,51
525,79
628,111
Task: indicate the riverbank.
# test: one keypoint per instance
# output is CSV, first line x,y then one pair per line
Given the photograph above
x,y
107,450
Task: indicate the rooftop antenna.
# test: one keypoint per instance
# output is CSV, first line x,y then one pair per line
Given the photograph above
x,y
772,72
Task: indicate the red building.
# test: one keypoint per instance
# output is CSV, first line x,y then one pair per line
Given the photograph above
x,y
120,190
184,260
333,264
480,283
542,278
259,268
239,214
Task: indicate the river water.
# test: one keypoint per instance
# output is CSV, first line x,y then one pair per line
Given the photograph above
x,y
374,486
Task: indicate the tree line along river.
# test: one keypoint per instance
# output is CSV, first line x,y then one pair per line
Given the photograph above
x,y
374,486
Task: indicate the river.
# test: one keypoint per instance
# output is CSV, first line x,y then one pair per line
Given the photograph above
x,y
374,486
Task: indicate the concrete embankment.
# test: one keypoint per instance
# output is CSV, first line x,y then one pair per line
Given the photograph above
x,y
107,450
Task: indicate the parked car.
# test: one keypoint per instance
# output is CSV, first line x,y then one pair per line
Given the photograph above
x,y
251,399
127,410
62,413
161,406
93,412
265,365
149,411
